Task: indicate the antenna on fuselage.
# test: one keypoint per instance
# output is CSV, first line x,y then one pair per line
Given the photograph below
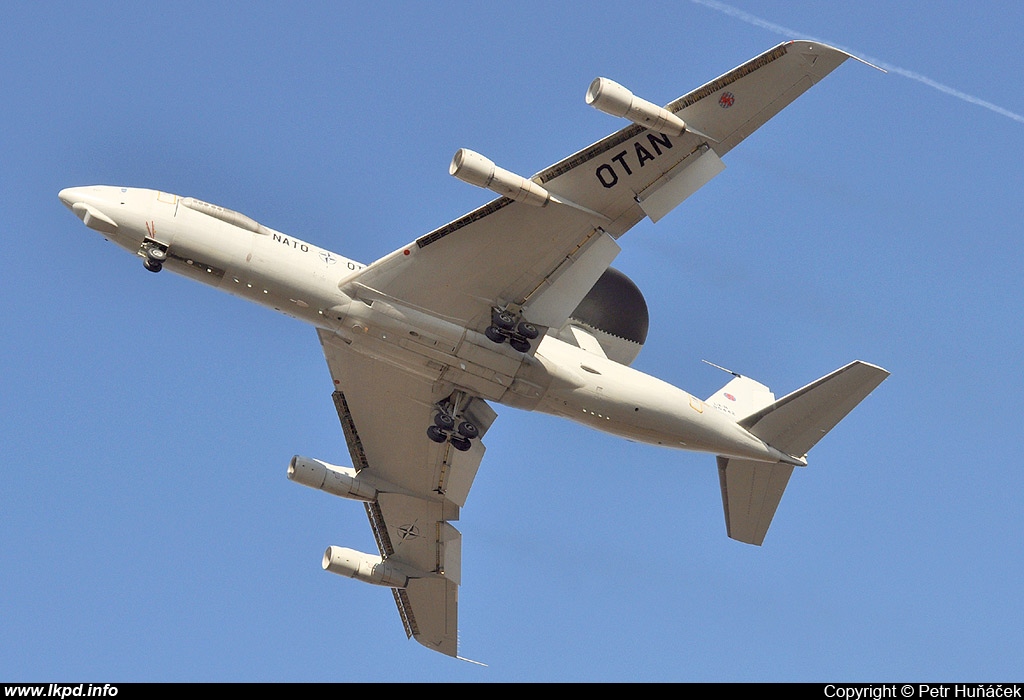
x,y
727,371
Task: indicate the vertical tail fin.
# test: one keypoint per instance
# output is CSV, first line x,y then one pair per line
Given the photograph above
x,y
741,397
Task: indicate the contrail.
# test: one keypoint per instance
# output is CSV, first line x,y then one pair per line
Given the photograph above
x,y
792,34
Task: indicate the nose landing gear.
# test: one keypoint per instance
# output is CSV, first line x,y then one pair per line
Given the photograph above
x,y
153,256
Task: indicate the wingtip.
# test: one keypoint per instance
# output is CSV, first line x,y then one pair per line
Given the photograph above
x,y
836,48
882,370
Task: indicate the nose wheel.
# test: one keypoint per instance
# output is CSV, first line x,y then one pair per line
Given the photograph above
x,y
154,256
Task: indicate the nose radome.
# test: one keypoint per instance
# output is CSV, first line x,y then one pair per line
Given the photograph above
x,y
103,195
70,195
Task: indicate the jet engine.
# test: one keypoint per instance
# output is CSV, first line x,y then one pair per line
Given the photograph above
x,y
469,166
614,99
339,481
365,567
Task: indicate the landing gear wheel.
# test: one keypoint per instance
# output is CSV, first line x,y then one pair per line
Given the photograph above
x,y
152,265
504,320
443,421
157,255
460,443
519,345
468,430
528,330
436,434
494,335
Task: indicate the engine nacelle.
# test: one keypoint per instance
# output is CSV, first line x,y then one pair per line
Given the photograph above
x,y
612,98
469,166
364,567
339,481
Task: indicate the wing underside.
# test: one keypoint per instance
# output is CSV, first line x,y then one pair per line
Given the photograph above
x,y
512,253
384,413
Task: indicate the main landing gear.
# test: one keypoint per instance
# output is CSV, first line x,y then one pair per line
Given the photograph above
x,y
450,426
504,326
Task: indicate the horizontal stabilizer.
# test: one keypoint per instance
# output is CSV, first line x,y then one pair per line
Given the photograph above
x,y
751,492
796,422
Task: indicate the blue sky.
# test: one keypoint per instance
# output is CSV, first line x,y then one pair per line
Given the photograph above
x,y
147,529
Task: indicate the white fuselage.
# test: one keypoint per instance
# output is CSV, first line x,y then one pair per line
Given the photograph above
x,y
231,252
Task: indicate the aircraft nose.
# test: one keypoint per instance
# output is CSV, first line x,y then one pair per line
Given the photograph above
x,y
70,196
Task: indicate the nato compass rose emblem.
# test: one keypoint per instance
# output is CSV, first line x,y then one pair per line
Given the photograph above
x,y
727,100
408,532
328,258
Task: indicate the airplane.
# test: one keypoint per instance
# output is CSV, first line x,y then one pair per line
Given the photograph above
x,y
514,303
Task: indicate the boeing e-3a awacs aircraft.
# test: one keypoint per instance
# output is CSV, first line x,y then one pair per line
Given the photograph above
x,y
513,303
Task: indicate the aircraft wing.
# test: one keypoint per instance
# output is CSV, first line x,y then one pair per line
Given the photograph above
x,y
384,413
543,260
